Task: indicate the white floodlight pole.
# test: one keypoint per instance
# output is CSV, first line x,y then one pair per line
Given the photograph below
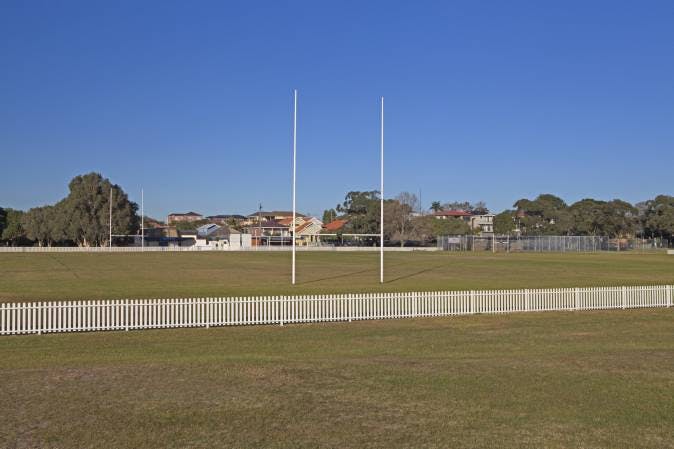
x,y
110,224
294,228
142,220
381,208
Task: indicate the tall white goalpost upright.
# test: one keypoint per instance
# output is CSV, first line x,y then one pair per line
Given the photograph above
x,y
381,199
110,223
142,220
294,227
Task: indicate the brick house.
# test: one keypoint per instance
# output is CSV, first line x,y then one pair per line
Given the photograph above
x,y
189,216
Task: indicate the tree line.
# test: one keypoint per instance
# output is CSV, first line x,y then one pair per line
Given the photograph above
x,y
545,215
82,218
402,221
550,215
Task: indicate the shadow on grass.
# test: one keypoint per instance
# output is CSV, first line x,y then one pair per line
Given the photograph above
x,y
337,276
368,270
407,276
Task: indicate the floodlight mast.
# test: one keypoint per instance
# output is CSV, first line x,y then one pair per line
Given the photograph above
x,y
381,198
294,227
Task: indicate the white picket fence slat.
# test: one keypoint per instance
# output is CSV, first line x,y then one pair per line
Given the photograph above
x,y
105,315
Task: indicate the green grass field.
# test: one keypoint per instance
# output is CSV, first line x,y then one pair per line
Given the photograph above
x,y
161,275
554,380
558,379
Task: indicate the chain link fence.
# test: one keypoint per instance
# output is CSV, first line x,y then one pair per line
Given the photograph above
x,y
548,243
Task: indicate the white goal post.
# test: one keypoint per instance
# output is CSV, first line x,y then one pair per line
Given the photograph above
x,y
381,191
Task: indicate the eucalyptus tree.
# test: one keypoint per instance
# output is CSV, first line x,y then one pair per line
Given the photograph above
x,y
658,219
547,214
38,223
362,211
13,231
88,207
504,222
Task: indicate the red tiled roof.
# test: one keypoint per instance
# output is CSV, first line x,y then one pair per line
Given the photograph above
x,y
335,225
452,213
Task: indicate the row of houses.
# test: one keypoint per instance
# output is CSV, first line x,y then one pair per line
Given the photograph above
x,y
262,228
275,228
239,220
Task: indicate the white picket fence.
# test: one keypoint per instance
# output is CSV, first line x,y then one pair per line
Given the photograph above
x,y
75,316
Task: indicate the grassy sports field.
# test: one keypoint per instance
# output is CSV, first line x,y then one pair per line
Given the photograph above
x,y
162,275
557,379
554,380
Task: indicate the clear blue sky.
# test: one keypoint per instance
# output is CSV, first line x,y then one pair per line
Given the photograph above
x,y
488,101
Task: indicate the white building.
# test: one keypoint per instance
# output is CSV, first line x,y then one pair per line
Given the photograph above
x,y
213,236
485,223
